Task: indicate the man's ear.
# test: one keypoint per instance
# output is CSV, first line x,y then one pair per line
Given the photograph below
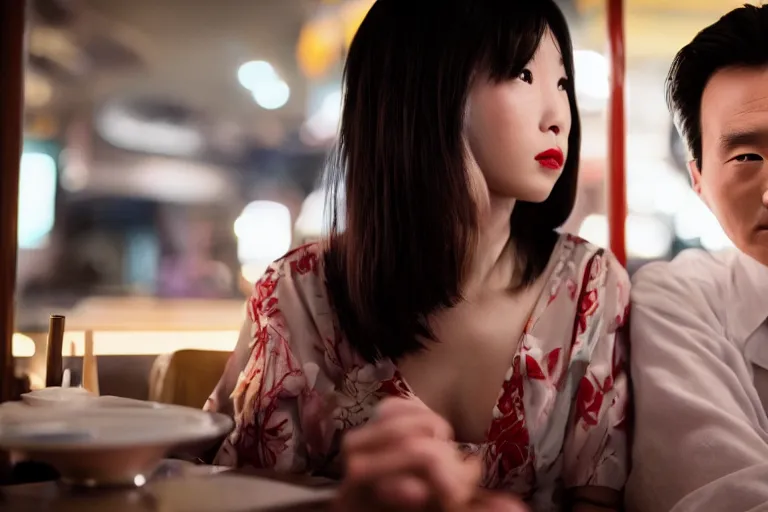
x,y
695,173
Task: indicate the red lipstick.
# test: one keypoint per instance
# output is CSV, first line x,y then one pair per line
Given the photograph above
x,y
551,158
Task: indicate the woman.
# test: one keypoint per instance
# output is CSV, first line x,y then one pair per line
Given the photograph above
x,y
448,286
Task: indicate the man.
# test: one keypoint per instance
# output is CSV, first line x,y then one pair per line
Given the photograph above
x,y
698,325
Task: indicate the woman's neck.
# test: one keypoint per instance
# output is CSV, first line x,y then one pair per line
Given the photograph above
x,y
492,262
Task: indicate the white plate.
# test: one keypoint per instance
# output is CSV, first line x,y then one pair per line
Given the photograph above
x,y
108,422
58,397
111,440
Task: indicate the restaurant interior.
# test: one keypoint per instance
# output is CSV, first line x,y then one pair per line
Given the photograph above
x,y
172,149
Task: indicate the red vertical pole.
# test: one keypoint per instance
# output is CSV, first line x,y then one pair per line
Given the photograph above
x,y
617,194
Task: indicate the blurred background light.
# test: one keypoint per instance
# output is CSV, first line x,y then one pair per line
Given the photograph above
x,y
269,91
264,234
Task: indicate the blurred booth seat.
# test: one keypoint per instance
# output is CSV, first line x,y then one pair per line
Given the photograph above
x,y
186,377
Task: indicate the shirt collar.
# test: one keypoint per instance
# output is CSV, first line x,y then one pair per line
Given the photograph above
x,y
748,302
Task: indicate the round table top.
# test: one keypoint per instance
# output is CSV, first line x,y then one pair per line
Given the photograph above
x,y
187,488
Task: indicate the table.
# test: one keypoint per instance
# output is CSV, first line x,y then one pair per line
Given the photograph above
x,y
191,489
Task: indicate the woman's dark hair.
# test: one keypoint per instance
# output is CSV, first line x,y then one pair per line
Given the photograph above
x,y
410,220
740,38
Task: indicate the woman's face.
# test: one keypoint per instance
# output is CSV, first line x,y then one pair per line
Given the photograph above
x,y
517,131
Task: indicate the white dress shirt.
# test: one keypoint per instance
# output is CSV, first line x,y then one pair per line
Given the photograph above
x,y
699,353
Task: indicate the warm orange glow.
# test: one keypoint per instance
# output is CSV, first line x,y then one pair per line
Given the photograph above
x,y
23,346
106,314
654,28
319,47
322,40
132,343
696,6
352,15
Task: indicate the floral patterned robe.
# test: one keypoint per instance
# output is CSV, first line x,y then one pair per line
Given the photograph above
x,y
294,384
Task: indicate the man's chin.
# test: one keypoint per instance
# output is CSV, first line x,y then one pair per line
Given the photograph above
x,y
758,248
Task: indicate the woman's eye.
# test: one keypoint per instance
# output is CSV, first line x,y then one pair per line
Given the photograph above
x,y
526,76
747,157
562,85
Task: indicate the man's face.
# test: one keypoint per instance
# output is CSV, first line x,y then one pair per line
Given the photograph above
x,y
733,180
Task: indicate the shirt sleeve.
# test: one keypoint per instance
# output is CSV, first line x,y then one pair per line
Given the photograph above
x,y
698,444
595,448
264,381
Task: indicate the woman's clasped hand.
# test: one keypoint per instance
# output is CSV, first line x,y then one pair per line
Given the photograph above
x,y
405,459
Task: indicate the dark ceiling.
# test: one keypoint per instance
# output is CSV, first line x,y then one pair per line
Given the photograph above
x,y
170,58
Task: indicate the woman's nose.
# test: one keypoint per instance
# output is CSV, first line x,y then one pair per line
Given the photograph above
x,y
556,115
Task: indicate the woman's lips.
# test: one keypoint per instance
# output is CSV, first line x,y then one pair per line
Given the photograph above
x,y
551,158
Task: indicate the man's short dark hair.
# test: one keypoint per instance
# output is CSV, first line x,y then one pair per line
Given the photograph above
x,y
738,39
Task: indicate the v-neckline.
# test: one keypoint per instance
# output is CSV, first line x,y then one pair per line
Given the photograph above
x,y
539,306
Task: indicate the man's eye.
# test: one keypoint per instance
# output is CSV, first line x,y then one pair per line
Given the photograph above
x,y
747,157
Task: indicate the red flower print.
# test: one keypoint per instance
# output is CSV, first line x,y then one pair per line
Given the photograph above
x,y
262,447
305,264
507,402
262,336
552,359
513,445
576,240
395,386
621,318
508,432
310,247
252,370
552,295
570,285
587,307
589,400
265,286
267,307
588,303
607,384
533,369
